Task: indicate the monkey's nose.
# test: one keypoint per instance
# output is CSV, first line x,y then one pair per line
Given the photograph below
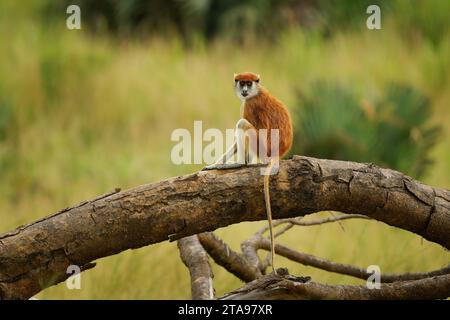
x,y
244,93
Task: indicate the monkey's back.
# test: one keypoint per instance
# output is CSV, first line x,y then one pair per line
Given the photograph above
x,y
264,111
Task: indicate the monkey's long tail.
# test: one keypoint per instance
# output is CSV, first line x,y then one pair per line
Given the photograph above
x,y
269,213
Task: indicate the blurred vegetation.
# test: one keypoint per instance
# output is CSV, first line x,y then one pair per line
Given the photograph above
x,y
189,19
264,19
393,131
84,111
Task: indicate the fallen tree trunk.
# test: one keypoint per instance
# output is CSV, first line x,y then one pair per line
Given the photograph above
x,y
37,255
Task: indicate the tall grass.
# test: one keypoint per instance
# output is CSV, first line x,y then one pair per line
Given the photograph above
x,y
82,114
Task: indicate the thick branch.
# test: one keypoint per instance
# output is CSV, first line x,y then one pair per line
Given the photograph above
x,y
196,260
288,287
37,255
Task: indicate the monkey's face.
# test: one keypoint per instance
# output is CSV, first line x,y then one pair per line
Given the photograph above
x,y
246,89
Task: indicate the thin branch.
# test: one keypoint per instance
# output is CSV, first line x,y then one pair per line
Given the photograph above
x,y
327,265
300,222
285,229
224,256
196,260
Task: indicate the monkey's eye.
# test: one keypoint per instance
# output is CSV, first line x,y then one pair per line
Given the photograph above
x,y
242,83
249,83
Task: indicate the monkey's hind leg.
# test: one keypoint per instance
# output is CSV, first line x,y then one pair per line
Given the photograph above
x,y
221,163
243,148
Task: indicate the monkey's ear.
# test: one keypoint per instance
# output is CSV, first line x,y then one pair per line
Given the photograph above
x,y
258,78
234,76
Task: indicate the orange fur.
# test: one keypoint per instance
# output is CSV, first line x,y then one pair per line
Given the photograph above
x,y
264,111
246,76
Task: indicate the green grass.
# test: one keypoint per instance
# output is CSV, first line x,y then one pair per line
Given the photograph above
x,y
85,114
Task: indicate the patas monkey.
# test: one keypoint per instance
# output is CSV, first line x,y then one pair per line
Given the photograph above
x,y
259,110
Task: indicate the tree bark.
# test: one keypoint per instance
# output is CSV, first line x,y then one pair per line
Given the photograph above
x,y
286,287
37,255
196,260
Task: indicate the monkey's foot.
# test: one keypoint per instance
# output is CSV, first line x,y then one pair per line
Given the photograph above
x,y
224,166
257,165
